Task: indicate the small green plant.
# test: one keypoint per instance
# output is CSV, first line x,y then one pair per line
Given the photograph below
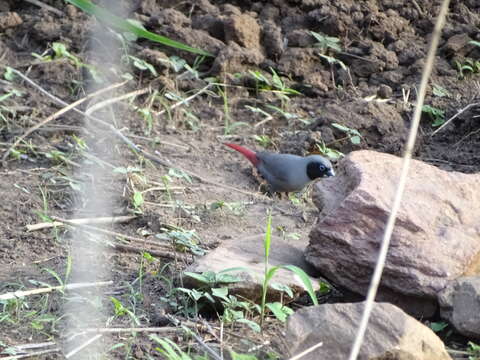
x,y
438,326
263,140
439,91
120,310
183,240
467,66
326,43
228,125
237,208
143,65
473,351
270,272
352,134
60,51
275,85
436,114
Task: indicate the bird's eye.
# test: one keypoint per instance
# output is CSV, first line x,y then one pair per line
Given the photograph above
x,y
322,168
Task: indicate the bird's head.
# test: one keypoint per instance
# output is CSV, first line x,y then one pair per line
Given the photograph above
x,y
319,167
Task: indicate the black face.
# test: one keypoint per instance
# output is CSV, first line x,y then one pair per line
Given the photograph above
x,y
316,169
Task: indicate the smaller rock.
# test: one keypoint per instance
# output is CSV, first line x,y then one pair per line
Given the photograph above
x,y
300,38
9,20
384,91
244,30
391,334
272,40
233,58
457,43
155,57
248,253
460,305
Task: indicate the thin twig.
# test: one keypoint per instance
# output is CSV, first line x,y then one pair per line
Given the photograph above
x,y
82,221
203,344
32,354
46,7
186,100
110,101
22,293
455,116
155,252
82,346
377,274
164,329
57,114
116,234
308,351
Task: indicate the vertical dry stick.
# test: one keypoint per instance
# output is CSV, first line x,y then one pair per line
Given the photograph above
x,y
377,274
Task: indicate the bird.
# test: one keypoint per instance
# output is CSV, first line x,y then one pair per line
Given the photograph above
x,y
286,172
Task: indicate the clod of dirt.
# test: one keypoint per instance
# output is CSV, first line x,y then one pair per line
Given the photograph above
x,y
244,30
299,142
9,20
272,40
233,58
379,124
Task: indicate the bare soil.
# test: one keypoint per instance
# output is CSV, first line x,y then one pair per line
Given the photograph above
x,y
384,44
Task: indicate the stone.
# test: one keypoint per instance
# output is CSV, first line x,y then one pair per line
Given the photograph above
x,y
391,334
233,58
272,39
460,305
248,253
244,30
9,20
436,237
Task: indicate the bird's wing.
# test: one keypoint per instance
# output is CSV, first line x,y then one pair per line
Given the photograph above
x,y
277,165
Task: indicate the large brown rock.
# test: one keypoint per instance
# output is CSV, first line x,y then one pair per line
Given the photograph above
x,y
436,236
391,334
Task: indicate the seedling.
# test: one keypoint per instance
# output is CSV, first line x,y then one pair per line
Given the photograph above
x,y
436,114
270,272
276,85
60,51
143,65
440,91
352,134
473,351
469,65
263,140
326,43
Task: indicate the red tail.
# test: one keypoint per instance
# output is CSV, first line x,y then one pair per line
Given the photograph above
x,y
249,154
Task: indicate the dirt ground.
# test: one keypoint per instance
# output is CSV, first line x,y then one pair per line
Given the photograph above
x,y
383,46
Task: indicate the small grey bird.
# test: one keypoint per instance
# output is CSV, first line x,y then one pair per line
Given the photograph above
x,y
287,172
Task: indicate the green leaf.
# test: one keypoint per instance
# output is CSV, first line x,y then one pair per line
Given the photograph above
x,y
282,287
220,293
123,25
137,199
305,280
438,326
355,139
268,237
280,311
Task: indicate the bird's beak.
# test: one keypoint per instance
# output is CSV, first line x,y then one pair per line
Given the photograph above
x,y
330,173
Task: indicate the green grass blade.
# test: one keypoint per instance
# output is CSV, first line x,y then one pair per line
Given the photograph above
x,y
305,279
121,24
268,237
